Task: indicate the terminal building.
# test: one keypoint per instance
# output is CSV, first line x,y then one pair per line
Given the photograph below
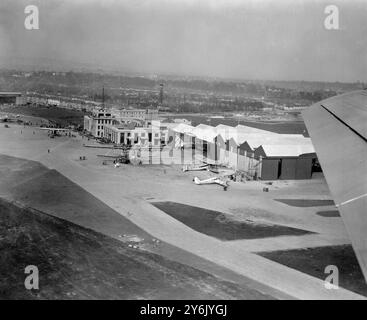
x,y
117,125
95,123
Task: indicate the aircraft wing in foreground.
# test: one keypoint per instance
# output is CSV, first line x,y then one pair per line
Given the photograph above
x,y
338,129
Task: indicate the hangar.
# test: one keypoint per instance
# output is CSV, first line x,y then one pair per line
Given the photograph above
x,y
286,162
261,154
277,156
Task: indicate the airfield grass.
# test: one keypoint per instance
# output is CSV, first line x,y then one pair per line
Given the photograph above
x,y
304,203
329,213
60,116
78,263
313,261
221,226
48,221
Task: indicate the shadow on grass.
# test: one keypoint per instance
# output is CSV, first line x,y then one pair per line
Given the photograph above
x,y
221,226
304,203
313,261
78,263
328,213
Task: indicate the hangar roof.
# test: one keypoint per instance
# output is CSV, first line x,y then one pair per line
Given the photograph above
x,y
241,134
205,132
183,128
287,150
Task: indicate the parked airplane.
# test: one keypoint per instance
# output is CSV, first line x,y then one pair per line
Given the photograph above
x,y
338,130
215,180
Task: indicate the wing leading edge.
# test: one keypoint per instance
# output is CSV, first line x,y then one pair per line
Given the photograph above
x,y
338,129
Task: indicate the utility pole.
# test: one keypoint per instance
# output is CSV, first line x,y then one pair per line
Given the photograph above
x,y
161,94
103,97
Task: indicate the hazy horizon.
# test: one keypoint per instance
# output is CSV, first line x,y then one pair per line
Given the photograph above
x,y
251,40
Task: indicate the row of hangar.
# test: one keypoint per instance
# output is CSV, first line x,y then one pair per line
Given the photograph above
x,y
259,153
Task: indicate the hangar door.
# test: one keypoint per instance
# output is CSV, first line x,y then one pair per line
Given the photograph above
x,y
304,168
288,170
270,169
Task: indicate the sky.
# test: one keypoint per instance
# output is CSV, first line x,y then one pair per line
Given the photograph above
x,y
236,39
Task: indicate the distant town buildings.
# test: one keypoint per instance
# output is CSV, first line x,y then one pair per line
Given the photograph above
x,y
53,102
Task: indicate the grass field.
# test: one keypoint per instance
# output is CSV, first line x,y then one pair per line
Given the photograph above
x,y
314,260
221,226
329,213
78,263
60,116
304,203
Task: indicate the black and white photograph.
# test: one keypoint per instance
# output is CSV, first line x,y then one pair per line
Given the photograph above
x,y
205,151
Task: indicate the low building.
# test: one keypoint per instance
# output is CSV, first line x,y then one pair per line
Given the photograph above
x,y
12,98
53,102
286,162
